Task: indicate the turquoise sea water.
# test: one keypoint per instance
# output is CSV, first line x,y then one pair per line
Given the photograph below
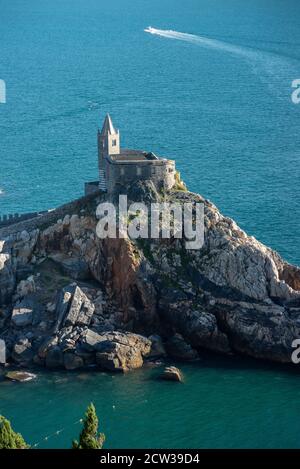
x,y
219,103
222,404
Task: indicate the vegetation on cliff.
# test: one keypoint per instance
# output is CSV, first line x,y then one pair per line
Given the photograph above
x,y
9,439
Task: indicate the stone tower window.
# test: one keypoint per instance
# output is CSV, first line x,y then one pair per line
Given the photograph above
x,y
114,143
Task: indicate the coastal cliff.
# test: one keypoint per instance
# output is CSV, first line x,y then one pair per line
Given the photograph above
x,y
69,299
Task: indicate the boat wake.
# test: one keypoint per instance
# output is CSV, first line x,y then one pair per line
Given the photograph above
x,y
273,69
200,40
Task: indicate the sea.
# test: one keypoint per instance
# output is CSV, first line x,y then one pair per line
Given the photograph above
x,y
208,83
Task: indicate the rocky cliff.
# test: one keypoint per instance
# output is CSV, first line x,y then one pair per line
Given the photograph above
x,y
69,299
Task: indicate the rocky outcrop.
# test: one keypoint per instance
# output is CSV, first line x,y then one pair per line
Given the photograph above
x,y
7,277
69,299
171,373
116,351
21,376
122,352
22,351
113,351
179,349
72,361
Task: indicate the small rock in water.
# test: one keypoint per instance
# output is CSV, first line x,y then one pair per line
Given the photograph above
x,y
21,376
171,373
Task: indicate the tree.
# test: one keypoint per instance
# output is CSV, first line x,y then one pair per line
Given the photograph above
x,y
8,438
89,437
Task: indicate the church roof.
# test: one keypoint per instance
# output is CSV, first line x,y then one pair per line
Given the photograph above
x,y
108,126
130,156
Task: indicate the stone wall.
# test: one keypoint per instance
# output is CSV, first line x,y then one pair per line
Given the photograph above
x,y
12,219
160,172
46,218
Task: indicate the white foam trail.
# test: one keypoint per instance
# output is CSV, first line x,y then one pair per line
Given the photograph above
x,y
277,71
200,40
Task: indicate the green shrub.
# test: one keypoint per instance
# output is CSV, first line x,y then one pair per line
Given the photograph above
x,y
8,438
89,437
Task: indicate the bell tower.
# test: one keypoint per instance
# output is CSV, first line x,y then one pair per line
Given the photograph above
x,y
108,138
108,144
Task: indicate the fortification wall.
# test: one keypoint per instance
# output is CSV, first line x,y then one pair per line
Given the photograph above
x,y
12,219
162,173
43,219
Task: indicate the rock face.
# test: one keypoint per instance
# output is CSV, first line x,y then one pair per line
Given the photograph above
x,y
69,299
177,347
158,349
7,277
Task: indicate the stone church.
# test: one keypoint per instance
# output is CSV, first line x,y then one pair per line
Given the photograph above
x,y
119,167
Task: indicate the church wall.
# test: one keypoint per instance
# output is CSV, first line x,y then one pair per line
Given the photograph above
x,y
161,173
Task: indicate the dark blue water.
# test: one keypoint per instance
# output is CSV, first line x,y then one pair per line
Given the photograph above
x,y
222,110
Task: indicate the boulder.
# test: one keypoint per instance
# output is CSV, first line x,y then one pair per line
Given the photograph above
x,y
87,357
48,344
54,358
2,352
72,361
22,351
109,361
90,340
81,310
22,314
25,287
119,357
21,376
171,373
73,307
122,351
116,351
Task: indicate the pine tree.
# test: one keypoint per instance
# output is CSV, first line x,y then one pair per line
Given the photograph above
x,y
89,437
8,438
